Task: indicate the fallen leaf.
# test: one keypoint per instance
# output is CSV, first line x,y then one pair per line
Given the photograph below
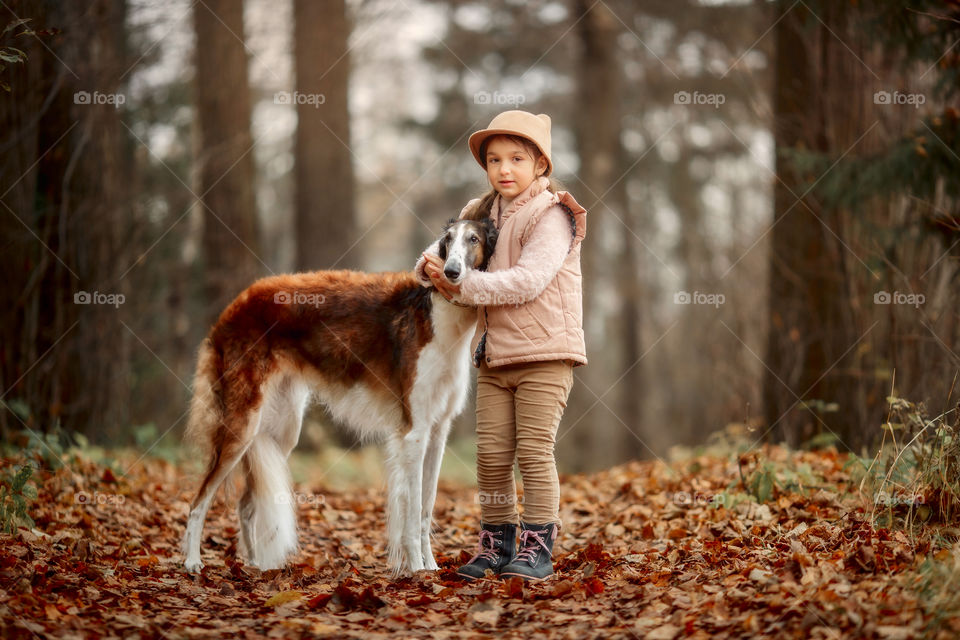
x,y
283,597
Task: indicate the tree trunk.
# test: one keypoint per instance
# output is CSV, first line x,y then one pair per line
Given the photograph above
x,y
812,355
606,437
225,155
325,213
65,207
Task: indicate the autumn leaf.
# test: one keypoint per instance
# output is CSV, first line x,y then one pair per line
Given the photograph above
x,y
811,560
593,586
562,588
320,600
283,597
513,587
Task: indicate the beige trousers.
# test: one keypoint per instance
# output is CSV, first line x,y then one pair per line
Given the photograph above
x,y
518,411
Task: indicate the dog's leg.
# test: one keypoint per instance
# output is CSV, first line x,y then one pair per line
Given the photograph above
x,y
404,462
414,450
271,518
431,472
289,406
245,512
396,503
268,514
240,431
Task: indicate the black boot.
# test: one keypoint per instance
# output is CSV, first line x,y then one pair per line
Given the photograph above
x,y
533,561
497,544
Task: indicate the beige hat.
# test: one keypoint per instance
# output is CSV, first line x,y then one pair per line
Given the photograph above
x,y
536,129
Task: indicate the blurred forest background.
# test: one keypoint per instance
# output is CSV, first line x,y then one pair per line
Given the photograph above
x,y
772,188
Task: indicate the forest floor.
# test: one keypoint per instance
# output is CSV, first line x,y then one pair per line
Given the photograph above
x,y
647,550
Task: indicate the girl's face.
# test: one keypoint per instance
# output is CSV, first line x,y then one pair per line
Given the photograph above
x,y
510,167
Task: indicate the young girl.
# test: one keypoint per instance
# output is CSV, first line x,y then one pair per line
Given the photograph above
x,y
529,337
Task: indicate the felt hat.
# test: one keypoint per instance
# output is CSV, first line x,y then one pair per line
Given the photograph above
x,y
535,128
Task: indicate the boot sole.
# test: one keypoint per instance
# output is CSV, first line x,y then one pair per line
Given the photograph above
x,y
467,577
526,577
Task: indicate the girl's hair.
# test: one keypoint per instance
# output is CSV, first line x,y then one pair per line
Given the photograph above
x,y
482,208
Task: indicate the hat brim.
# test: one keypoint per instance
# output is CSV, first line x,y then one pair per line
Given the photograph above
x,y
477,139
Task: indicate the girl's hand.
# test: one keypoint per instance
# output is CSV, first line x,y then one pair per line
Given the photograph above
x,y
434,270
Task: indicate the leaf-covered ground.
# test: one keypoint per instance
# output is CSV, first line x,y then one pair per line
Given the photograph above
x,y
644,553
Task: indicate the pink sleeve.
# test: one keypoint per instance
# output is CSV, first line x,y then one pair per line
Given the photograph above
x,y
540,260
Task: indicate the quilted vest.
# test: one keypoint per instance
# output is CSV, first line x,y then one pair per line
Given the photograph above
x,y
549,327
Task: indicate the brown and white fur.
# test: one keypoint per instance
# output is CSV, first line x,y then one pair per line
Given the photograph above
x,y
389,358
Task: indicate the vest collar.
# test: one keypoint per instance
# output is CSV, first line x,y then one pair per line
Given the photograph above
x,y
500,215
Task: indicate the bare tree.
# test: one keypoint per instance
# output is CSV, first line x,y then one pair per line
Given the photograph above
x,y
65,209
598,129
226,169
826,372
325,211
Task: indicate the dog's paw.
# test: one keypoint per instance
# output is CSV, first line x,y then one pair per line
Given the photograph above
x,y
430,564
193,566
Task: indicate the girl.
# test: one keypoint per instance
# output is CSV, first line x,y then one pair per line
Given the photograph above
x,y
529,337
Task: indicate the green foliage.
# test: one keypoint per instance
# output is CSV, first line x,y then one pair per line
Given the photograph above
x,y
165,446
50,449
27,452
821,441
734,439
10,54
923,31
919,164
762,482
767,478
729,499
924,163
15,493
937,587
819,406
915,476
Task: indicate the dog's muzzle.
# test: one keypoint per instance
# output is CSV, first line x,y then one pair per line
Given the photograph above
x,y
453,269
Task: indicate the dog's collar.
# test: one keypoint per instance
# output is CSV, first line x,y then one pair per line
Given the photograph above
x,y
453,302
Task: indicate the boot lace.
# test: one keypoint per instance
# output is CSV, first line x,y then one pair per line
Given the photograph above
x,y
488,546
530,542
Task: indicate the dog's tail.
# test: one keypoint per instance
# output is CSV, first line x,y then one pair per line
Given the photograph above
x,y
267,510
206,406
267,507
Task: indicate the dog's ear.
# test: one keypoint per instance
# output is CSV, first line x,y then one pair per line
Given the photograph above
x,y
489,241
445,238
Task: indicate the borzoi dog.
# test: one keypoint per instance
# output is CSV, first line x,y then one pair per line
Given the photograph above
x,y
386,355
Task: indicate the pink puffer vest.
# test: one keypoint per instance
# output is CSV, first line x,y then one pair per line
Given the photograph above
x,y
549,327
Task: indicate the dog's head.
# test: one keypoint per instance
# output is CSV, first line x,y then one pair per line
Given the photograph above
x,y
466,244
